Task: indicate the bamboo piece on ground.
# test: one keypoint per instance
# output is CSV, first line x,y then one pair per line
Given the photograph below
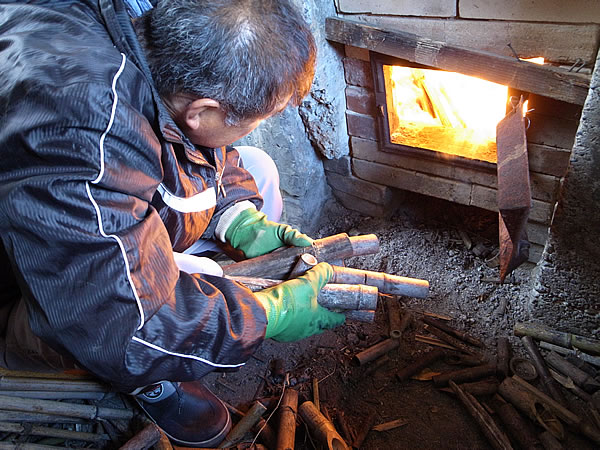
x,y
384,282
11,383
462,335
469,374
287,420
516,384
406,372
51,395
279,263
548,382
332,296
567,383
503,352
145,438
21,417
394,318
495,436
244,425
321,428
454,342
265,433
478,388
433,341
517,426
344,428
361,434
549,442
593,360
36,430
375,351
63,408
315,388
563,339
579,377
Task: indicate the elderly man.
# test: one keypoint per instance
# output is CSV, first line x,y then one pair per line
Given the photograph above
x,y
115,171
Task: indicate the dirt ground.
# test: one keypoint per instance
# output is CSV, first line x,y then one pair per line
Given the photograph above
x,y
451,246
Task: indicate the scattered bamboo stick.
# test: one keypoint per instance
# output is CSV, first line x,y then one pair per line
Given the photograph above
x,y
287,420
375,351
433,341
145,438
321,428
548,382
469,374
11,383
244,425
390,425
454,342
63,408
315,388
37,430
495,436
393,309
459,334
406,372
563,339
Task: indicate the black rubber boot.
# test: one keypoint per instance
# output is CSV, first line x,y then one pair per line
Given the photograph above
x,y
188,413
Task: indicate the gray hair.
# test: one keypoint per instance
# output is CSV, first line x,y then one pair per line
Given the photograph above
x,y
249,55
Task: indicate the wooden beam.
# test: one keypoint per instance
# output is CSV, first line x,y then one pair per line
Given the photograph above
x,y
547,81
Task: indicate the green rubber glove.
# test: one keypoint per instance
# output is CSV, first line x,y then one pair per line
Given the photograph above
x,y
254,235
292,309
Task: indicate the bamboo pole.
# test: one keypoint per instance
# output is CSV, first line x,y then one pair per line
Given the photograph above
x,y
321,428
495,436
563,339
245,424
287,420
278,264
548,382
375,351
89,412
37,430
332,296
145,438
462,335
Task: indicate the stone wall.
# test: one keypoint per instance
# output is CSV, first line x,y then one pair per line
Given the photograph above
x,y
567,281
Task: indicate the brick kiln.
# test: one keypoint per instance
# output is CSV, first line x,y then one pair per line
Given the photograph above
x,y
482,38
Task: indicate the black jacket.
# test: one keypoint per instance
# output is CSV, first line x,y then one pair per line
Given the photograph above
x,y
91,169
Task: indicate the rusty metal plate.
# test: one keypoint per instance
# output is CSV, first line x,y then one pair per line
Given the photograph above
x,y
514,190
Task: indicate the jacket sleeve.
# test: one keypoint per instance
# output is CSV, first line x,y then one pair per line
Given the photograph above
x,y
94,258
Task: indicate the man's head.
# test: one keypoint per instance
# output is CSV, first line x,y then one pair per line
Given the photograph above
x,y
240,60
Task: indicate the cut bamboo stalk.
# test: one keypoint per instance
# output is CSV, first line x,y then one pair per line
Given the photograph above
x,y
49,395
332,296
495,436
579,377
287,420
11,383
428,358
37,430
548,382
278,264
462,335
469,374
316,397
456,343
394,318
22,417
321,428
145,438
563,339
365,316
384,282
89,412
517,426
375,351
244,425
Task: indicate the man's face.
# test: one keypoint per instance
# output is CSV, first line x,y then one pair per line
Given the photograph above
x,y
203,122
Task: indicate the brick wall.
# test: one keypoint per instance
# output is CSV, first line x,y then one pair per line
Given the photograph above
x,y
369,180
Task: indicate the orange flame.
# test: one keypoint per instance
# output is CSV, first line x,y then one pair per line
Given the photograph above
x,y
447,112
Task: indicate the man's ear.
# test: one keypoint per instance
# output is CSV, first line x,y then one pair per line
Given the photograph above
x,y
196,110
